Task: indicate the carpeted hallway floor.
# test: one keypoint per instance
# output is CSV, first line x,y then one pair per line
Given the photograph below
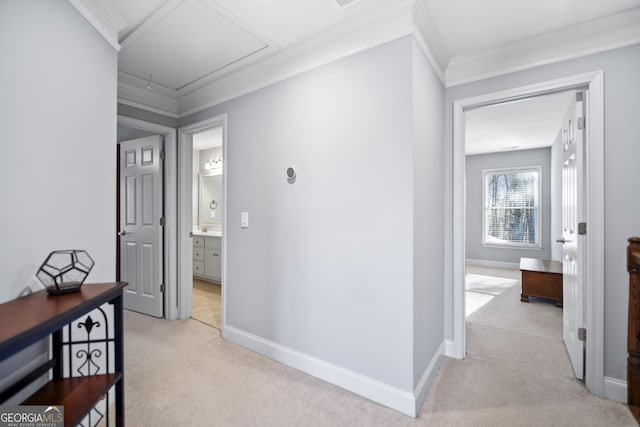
x,y
183,373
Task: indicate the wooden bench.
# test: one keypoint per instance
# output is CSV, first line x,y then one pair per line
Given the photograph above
x,y
541,279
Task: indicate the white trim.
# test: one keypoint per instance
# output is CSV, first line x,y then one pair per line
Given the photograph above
x,y
594,280
615,389
370,32
103,16
184,211
385,394
449,347
170,196
428,377
146,108
299,59
130,94
430,40
493,264
614,31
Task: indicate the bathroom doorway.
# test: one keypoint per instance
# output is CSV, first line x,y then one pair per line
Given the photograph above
x,y
202,212
207,221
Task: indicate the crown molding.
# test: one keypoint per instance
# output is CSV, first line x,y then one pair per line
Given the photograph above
x,y
103,16
429,39
147,99
611,32
408,17
332,46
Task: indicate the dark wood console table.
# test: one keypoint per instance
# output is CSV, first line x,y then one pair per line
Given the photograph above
x,y
83,367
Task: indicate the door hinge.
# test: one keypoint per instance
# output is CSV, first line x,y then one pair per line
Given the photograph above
x,y
582,228
582,334
163,287
581,123
162,154
162,221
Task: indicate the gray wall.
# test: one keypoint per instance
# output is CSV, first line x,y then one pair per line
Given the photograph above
x,y
57,150
325,256
428,218
126,133
474,209
147,116
622,151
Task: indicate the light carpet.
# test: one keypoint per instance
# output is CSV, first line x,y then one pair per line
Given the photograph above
x,y
481,289
516,373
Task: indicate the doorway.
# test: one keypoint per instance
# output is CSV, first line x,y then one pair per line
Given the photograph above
x,y
208,219
514,210
202,210
594,216
129,128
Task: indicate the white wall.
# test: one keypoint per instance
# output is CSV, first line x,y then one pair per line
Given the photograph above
x,y
622,151
326,267
57,149
475,205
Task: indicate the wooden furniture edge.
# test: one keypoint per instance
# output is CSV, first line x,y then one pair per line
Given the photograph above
x,y
77,394
23,340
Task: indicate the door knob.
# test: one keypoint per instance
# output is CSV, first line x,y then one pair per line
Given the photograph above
x,y
563,241
123,233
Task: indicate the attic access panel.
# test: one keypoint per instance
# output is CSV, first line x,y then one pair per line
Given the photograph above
x,y
192,41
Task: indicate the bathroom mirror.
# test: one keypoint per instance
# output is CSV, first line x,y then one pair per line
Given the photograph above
x,y
210,212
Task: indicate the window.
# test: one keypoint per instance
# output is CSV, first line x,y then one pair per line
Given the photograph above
x,y
512,207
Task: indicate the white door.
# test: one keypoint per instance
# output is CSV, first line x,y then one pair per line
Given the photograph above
x,y
573,243
141,250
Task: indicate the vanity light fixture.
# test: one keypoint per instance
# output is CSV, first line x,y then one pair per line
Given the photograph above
x,y
213,164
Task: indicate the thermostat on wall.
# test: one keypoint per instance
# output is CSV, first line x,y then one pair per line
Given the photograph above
x,y
291,173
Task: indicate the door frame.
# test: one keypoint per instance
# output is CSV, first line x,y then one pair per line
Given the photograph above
x,y
170,197
185,206
594,216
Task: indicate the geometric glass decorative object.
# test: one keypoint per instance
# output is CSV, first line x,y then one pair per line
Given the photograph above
x,y
64,271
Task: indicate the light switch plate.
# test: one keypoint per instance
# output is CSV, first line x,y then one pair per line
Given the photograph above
x,y
244,219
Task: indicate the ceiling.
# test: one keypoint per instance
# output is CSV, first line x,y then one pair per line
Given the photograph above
x,y
174,47
518,125
177,46
169,49
468,26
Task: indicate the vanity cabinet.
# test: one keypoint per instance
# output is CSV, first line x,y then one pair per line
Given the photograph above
x,y
207,254
198,256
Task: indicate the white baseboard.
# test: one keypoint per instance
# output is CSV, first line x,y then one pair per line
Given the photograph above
x,y
393,397
615,389
428,377
493,264
450,350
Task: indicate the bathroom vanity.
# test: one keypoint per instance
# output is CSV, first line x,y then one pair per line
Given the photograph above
x,y
207,255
